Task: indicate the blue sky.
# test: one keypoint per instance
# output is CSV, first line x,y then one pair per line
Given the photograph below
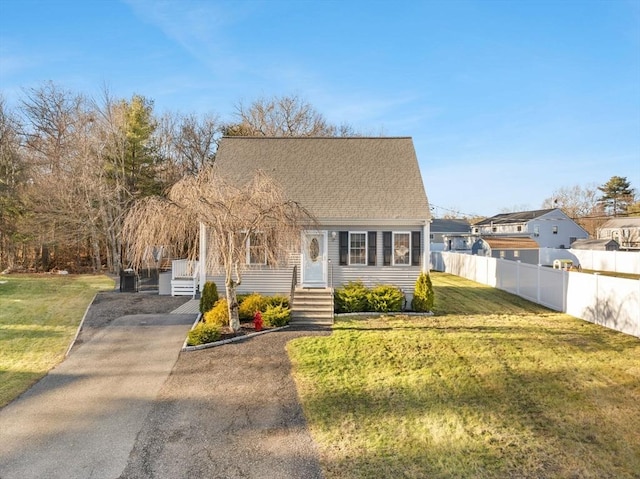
x,y
507,101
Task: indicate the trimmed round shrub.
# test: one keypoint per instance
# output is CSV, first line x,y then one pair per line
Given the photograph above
x,y
250,304
385,298
209,296
276,316
351,298
218,315
423,294
203,333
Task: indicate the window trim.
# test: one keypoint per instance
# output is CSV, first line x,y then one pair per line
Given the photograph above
x,y
248,249
366,248
393,248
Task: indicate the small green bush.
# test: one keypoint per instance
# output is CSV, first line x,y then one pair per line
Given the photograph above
x,y
351,298
278,301
276,316
209,296
203,333
250,304
423,294
385,298
219,314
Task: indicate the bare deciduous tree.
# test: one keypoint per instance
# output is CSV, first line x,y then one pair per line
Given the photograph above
x,y
283,116
231,213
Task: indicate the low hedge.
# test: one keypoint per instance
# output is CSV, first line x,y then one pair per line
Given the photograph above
x,y
355,297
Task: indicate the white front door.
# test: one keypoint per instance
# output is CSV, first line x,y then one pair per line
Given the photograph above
x,y
314,259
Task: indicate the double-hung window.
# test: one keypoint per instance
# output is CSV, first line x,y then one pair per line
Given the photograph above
x,y
358,248
257,248
402,249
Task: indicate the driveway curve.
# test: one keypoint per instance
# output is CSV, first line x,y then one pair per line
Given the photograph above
x,y
127,404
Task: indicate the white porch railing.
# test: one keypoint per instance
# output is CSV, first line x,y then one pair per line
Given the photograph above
x,y
184,277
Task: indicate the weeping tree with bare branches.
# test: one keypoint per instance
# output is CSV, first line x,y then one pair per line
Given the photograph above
x,y
235,215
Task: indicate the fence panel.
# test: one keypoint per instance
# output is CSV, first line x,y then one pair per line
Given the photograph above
x,y
610,302
553,288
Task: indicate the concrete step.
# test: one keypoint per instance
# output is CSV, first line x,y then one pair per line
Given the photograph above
x,y
312,306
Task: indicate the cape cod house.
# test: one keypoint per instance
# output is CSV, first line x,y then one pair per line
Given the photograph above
x,y
367,197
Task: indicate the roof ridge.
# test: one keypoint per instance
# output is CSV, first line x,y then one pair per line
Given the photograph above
x,y
319,137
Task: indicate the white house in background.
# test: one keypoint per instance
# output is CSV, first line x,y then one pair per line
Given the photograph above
x,y
368,199
450,235
550,228
625,231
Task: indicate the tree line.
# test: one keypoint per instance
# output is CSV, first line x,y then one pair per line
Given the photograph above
x,y
72,167
591,206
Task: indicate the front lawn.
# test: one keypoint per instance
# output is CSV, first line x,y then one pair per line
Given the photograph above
x,y
492,386
39,315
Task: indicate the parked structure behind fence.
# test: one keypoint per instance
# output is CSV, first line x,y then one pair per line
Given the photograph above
x,y
610,302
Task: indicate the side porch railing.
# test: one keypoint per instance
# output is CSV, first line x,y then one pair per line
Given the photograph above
x,y
184,277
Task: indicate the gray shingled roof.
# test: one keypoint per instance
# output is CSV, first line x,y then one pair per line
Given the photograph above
x,y
518,217
335,178
450,226
627,222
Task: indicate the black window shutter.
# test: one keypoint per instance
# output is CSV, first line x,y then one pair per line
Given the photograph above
x,y
371,254
386,248
415,248
343,247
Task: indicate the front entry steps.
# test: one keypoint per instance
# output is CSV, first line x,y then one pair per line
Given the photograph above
x,y
312,306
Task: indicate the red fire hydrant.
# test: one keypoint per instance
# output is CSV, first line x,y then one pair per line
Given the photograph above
x,y
257,321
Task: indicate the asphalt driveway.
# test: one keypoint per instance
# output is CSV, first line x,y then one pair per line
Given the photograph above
x,y
127,404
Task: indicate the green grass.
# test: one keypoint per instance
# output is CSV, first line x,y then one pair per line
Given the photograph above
x,y
39,315
492,386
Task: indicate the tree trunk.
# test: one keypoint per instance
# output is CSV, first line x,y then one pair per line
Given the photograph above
x,y
232,301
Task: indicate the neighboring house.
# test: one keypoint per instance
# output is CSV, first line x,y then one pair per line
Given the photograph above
x,y
368,199
625,231
515,249
550,228
596,244
450,235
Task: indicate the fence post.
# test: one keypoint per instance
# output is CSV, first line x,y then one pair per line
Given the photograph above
x,y
597,298
565,287
538,292
518,277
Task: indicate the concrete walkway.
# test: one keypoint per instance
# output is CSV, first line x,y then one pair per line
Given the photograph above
x,y
82,419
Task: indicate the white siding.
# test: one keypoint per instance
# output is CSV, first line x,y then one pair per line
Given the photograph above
x,y
403,277
278,280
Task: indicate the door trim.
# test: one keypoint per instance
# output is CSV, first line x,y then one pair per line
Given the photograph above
x,y
303,255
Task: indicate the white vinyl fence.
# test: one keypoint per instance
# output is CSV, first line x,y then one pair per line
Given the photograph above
x,y
615,261
610,302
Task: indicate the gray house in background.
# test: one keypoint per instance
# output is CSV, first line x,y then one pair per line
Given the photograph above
x,y
368,199
625,231
450,235
550,228
596,244
515,249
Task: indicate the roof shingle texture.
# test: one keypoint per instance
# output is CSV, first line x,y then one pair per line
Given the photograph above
x,y
511,243
334,178
518,217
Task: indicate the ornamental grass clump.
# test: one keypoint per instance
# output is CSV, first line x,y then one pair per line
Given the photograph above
x,y
423,294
